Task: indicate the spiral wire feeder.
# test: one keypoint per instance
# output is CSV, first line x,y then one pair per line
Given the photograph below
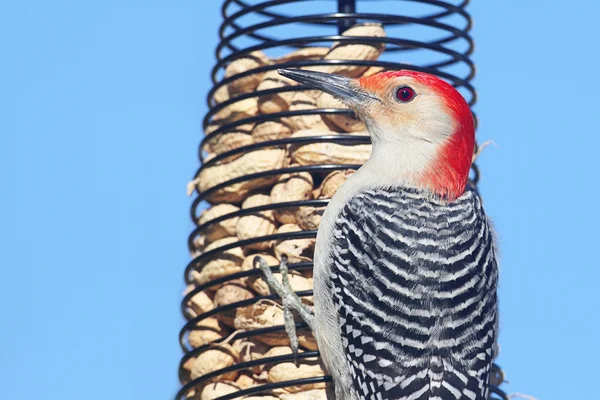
x,y
424,35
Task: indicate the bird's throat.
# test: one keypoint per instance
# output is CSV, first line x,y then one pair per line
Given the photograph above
x,y
441,168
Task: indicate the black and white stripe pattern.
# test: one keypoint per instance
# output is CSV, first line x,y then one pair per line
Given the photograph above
x,y
414,281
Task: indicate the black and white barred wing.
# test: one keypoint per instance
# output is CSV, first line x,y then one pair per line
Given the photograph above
x,y
414,282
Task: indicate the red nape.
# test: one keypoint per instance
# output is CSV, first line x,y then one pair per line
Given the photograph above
x,y
449,173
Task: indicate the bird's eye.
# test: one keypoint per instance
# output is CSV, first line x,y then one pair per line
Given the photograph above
x,y
405,94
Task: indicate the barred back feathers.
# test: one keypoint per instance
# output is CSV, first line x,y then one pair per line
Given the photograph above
x,y
414,287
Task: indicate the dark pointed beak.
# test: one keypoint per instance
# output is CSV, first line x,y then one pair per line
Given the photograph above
x,y
346,89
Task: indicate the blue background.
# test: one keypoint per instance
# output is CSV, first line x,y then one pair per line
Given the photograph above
x,y
101,104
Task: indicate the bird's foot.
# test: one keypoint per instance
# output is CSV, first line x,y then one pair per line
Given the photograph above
x,y
290,300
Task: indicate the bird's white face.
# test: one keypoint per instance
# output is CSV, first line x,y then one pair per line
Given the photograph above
x,y
407,108
407,119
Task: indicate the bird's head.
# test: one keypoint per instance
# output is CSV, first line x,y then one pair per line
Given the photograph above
x,y
421,127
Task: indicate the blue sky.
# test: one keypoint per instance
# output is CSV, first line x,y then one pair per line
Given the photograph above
x,y
101,109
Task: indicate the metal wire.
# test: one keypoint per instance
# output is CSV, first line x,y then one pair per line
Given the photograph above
x,y
439,43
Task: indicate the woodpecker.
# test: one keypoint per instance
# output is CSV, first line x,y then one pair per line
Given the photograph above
x,y
405,267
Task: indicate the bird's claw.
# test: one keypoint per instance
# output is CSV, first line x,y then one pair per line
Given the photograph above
x,y
290,300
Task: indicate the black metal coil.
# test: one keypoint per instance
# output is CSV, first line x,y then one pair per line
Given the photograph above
x,y
428,35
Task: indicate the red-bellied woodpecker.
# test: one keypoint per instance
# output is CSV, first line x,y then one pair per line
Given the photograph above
x,y
405,270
